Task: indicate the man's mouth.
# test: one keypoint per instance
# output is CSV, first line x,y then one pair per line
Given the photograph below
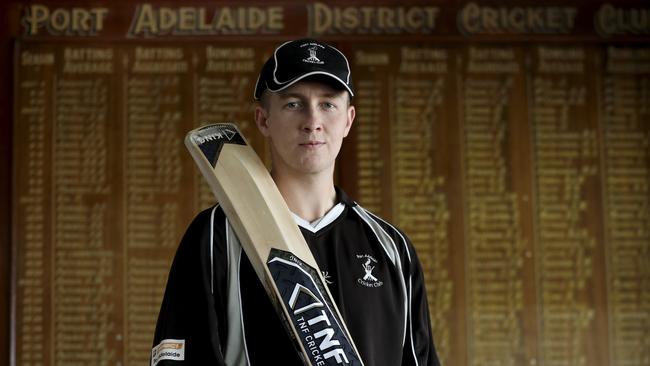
x,y
312,143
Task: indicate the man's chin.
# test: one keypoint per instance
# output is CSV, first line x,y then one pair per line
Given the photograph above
x,y
313,167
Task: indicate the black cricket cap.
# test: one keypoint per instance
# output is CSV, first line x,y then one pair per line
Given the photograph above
x,y
296,60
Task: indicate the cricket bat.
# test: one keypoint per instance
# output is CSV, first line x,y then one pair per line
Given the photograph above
x,y
273,243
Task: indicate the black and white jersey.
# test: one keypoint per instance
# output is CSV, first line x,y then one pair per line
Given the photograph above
x,y
216,312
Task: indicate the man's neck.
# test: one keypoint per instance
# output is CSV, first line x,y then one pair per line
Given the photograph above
x,y
308,197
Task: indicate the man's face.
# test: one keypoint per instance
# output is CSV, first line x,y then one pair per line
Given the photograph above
x,y
305,125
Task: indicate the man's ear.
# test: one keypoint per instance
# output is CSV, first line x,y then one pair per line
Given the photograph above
x,y
262,120
351,114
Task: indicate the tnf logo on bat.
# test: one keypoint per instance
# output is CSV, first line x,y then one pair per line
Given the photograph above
x,y
317,325
325,336
215,134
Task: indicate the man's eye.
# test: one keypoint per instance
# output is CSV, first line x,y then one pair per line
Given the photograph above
x,y
328,105
292,105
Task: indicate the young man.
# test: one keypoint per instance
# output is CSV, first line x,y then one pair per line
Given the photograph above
x,y
215,311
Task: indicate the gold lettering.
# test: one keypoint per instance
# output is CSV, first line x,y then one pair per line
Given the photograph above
x,y
423,54
203,26
145,21
276,18
570,15
70,54
414,19
535,19
27,58
167,20
606,23
554,18
225,20
229,53
36,16
187,19
475,19
256,20
470,16
367,14
385,16
490,17
321,18
86,67
60,20
371,59
87,60
517,18
160,67
431,16
80,19
241,19
150,21
610,20
367,19
158,53
349,18
230,66
561,53
98,14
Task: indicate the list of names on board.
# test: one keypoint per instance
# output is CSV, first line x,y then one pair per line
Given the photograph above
x,y
373,165
626,121
568,212
83,249
105,201
493,86
520,173
32,208
419,200
156,82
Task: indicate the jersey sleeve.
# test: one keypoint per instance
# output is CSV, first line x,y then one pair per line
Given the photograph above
x,y
189,329
419,348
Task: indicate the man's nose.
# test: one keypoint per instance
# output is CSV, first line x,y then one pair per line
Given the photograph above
x,y
313,120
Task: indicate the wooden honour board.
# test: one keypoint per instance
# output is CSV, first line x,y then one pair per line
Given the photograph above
x,y
520,171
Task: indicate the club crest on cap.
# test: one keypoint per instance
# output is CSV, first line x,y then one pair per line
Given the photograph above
x,y
313,47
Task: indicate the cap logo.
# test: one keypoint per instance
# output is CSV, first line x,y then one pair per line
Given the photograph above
x,y
313,59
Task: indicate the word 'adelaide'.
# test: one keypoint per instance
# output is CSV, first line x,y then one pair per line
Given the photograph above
x,y
150,20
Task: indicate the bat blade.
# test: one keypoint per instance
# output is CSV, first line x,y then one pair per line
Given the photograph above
x,y
273,243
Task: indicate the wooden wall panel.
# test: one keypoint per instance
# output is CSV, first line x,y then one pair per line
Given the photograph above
x,y
108,189
514,154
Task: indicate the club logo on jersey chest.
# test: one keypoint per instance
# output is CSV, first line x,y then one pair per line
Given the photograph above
x,y
369,275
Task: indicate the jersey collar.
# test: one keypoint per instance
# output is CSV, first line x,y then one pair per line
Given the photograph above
x,y
343,200
317,225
